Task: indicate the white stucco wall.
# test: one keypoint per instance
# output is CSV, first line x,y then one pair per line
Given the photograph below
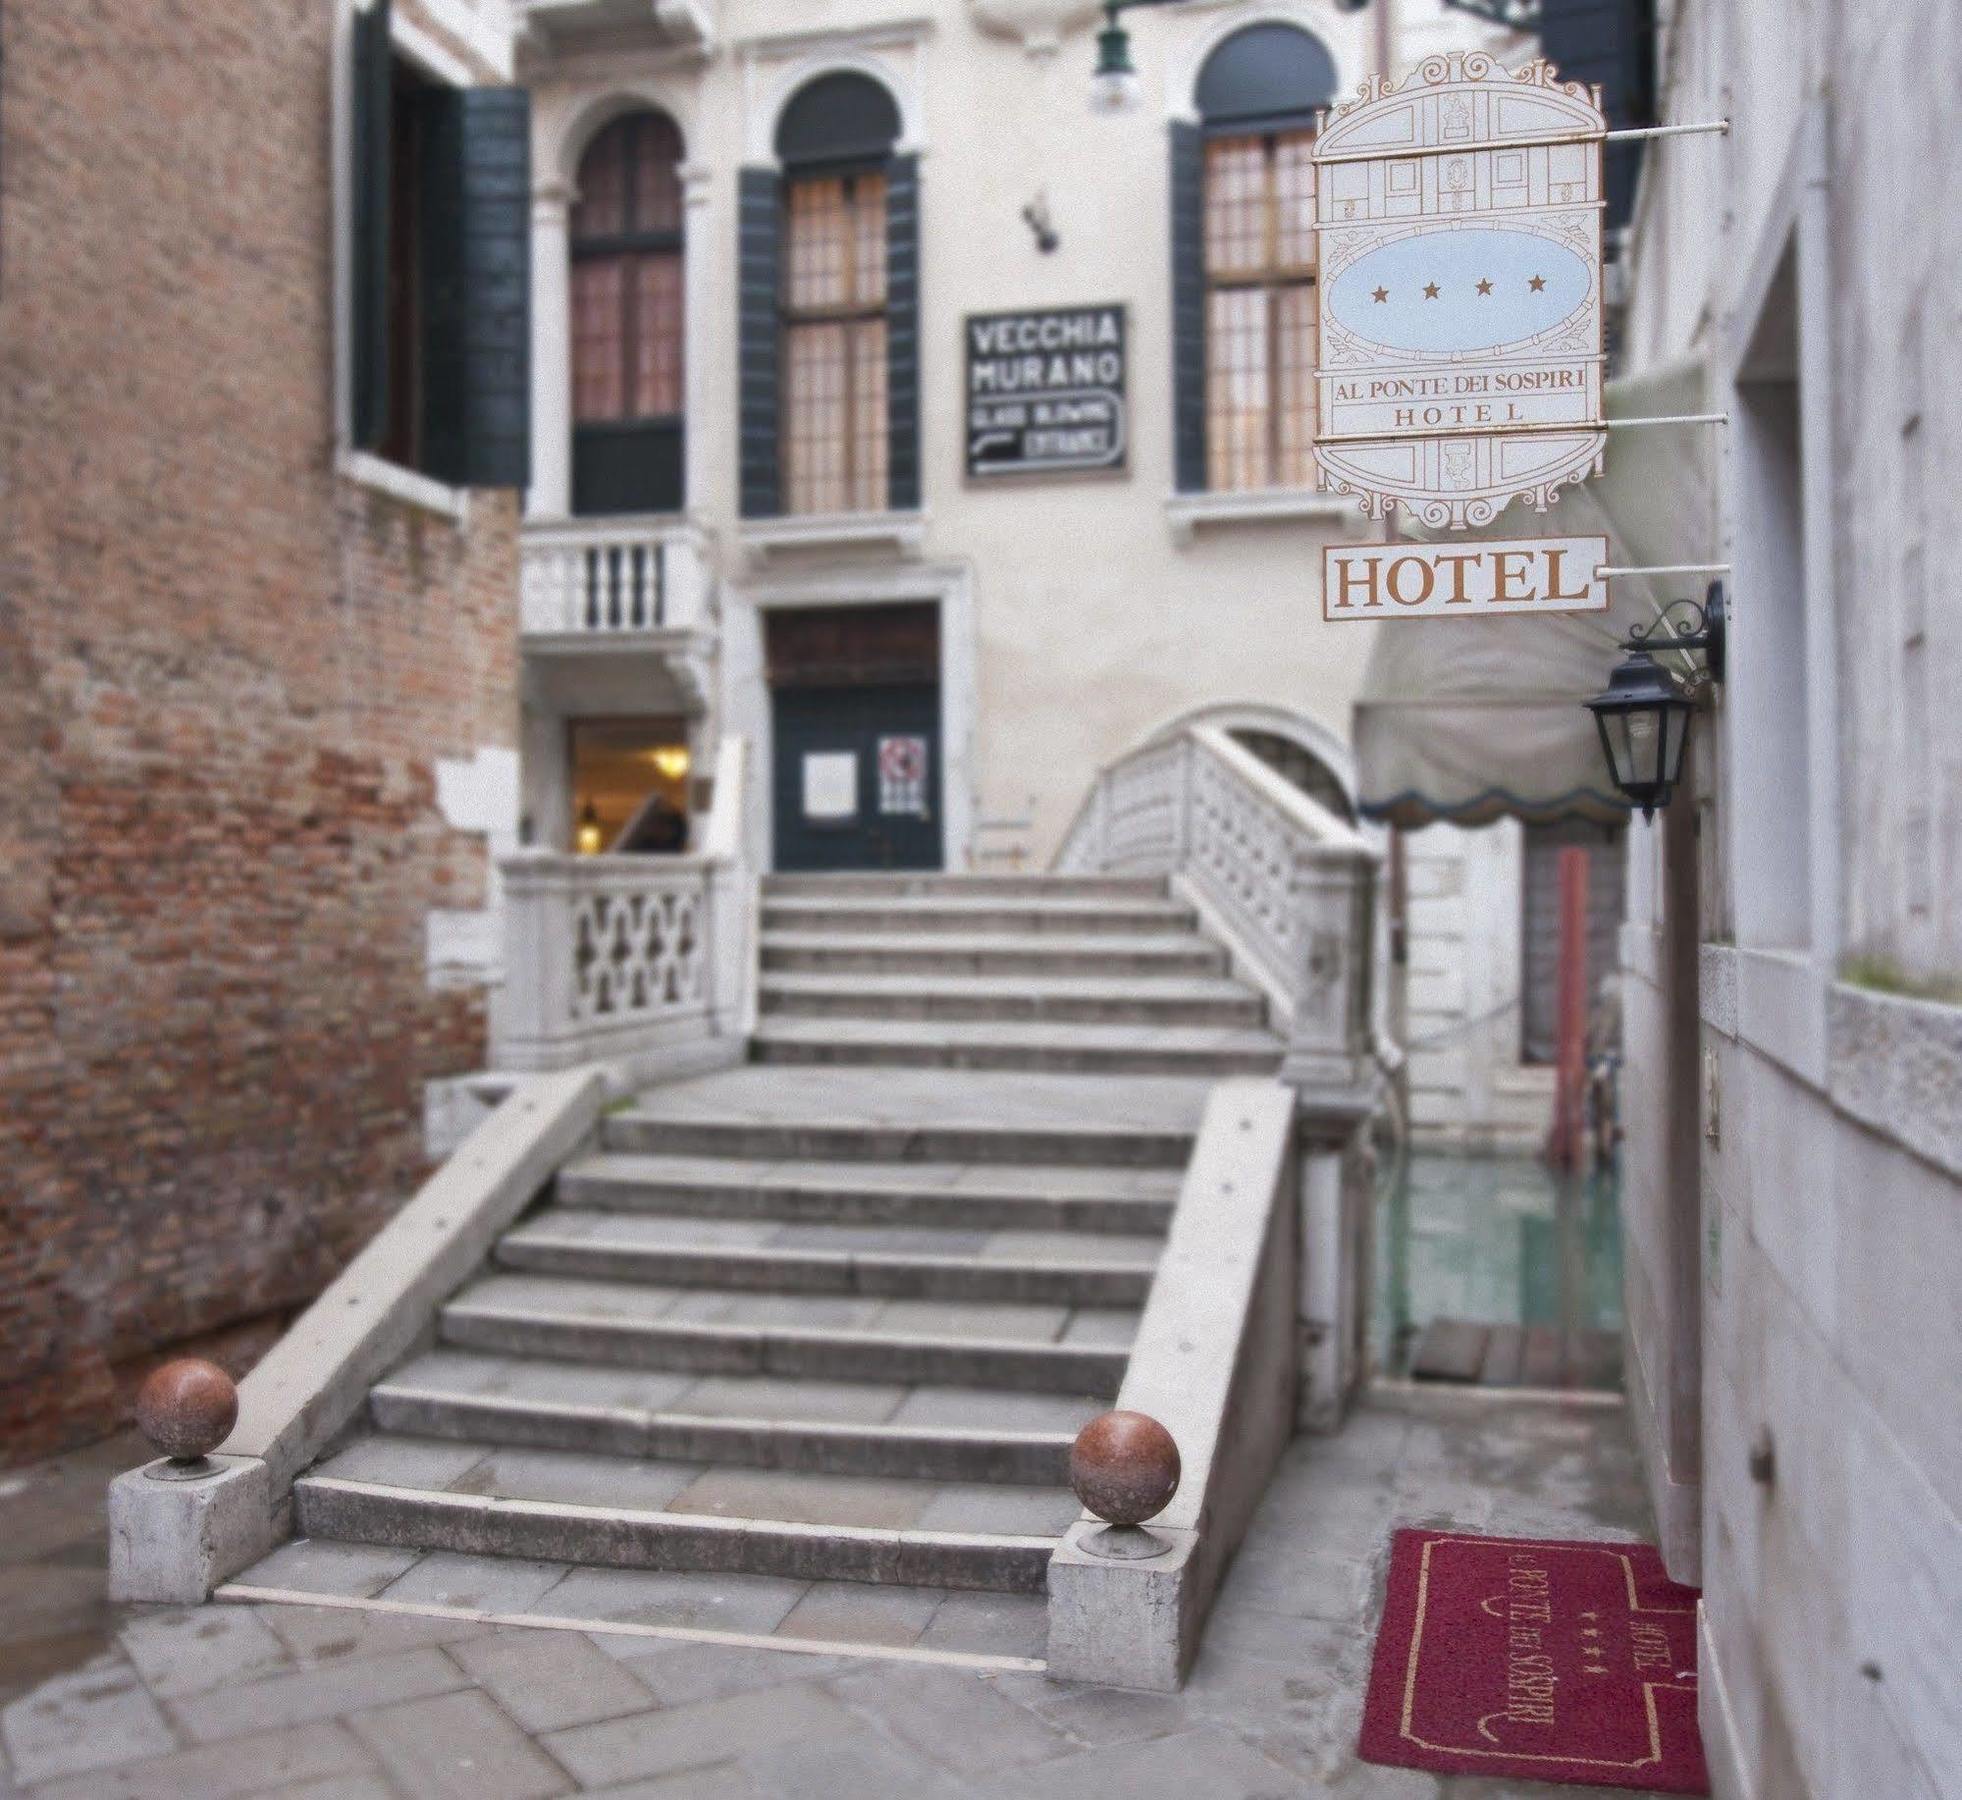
x,y
1097,614
1830,1249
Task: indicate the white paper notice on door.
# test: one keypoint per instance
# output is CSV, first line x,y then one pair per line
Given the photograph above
x,y
830,784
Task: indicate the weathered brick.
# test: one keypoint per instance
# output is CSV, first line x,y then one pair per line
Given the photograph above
x,y
226,677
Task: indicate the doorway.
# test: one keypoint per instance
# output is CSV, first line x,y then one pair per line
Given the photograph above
x,y
856,772
629,785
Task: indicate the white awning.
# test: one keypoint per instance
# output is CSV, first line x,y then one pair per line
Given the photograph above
x,y
1476,720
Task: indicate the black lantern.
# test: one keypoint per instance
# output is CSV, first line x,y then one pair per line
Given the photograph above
x,y
1644,716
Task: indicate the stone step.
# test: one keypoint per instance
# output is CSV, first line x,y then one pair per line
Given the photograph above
x,y
1037,1349
1032,916
748,1421
1209,1052
917,885
911,1195
798,1140
1139,1000
989,954
619,1536
666,1253
637,1612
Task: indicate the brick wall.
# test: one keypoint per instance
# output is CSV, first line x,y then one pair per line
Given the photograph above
x,y
226,676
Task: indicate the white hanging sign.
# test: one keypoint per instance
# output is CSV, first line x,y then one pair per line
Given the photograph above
x,y
1459,218
1482,578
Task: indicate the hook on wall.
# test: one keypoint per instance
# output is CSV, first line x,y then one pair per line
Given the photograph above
x,y
1036,216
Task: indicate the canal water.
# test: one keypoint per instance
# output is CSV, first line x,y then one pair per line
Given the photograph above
x,y
1493,1241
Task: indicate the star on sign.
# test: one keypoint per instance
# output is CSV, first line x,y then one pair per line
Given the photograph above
x,y
1381,295
1537,283
1484,287
1430,290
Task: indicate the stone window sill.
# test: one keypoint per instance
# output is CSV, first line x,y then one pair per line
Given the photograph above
x,y
421,491
902,533
1259,506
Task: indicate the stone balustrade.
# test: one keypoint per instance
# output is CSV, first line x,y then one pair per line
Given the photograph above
x,y
610,957
595,578
1289,885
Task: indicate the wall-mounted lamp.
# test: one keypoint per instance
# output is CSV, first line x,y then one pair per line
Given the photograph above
x,y
1115,86
591,836
671,761
1644,716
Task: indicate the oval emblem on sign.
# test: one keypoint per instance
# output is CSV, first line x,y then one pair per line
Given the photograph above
x,y
1444,292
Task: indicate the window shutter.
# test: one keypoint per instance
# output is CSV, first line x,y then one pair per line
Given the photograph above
x,y
903,334
477,288
1188,187
373,74
759,234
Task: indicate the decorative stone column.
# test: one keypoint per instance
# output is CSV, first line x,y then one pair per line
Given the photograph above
x,y
698,301
551,352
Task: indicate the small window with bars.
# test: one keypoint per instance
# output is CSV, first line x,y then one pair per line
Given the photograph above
x,y
1260,310
835,352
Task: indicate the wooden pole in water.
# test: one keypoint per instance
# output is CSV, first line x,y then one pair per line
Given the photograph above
x,y
1566,1146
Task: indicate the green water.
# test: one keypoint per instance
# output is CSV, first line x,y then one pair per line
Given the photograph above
x,y
1498,1240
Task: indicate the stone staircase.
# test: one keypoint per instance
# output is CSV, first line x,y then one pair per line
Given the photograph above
x,y
834,1316
1081,975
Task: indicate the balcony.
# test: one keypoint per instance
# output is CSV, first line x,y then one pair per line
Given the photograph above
x,y
555,25
630,596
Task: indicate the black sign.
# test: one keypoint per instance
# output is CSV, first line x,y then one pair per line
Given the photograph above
x,y
1045,391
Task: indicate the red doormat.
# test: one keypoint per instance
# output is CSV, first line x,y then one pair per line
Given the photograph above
x,y
1545,1661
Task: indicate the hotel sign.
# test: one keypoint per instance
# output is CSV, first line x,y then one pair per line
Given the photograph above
x,y
1045,391
1459,221
1483,579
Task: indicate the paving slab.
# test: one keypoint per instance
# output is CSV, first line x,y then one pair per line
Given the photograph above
x,y
780,1397
185,1652
680,1674
297,1761
477,1583
737,1493
548,1680
857,1612
579,1479
92,1718
748,1603
459,1747
402,1462
979,1623
699,1736
326,1691
320,1566
957,1718
1001,1099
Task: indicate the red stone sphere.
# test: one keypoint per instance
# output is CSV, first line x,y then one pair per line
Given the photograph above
x,y
187,1408
1124,1467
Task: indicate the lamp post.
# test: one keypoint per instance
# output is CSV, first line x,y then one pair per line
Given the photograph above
x,y
1644,716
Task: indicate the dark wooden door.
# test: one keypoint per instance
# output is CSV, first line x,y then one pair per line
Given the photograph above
x,y
857,777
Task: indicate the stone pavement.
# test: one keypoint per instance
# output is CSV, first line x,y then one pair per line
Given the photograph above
x,y
241,1700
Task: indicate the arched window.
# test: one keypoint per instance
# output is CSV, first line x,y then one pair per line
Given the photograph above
x,y
1245,341
832,367
627,320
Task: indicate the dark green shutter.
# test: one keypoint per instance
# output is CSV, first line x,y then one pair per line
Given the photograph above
x,y
1188,308
373,93
903,334
476,248
759,254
